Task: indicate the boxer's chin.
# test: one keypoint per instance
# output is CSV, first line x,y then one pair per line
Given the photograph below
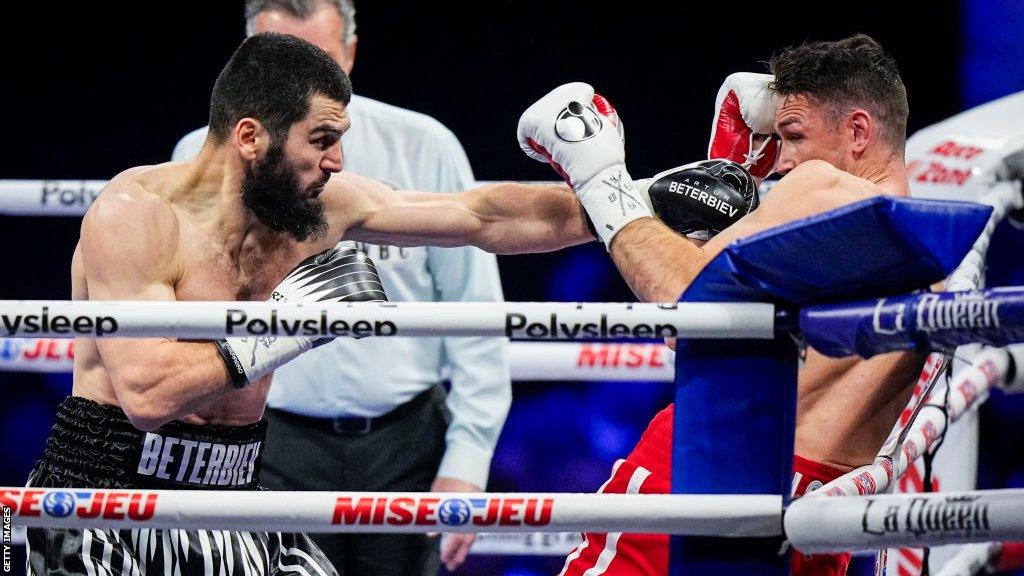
x,y
271,190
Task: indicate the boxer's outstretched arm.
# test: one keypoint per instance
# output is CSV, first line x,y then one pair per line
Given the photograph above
x,y
129,252
659,264
505,218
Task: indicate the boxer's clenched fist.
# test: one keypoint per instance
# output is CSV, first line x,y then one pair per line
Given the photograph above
x,y
579,134
744,122
339,274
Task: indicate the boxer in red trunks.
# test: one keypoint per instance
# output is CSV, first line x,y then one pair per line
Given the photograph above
x,y
837,114
648,470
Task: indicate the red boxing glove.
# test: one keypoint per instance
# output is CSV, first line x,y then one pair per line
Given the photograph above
x,y
745,108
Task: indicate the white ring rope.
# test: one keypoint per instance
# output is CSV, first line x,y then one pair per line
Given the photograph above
x,y
1003,197
524,544
395,512
17,535
812,525
522,320
819,525
486,543
541,361
71,197
48,197
591,361
48,355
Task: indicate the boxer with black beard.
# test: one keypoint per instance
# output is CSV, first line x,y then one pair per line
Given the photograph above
x,y
271,190
159,413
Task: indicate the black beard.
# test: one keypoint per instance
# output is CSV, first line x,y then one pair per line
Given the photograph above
x,y
271,190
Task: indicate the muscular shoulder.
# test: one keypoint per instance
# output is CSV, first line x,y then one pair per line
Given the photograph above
x,y
128,219
349,199
812,175
817,186
811,188
126,202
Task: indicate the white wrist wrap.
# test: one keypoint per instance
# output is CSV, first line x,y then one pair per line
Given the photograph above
x,y
257,356
612,200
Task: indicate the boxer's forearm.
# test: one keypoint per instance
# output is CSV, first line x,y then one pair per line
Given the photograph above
x,y
168,380
657,263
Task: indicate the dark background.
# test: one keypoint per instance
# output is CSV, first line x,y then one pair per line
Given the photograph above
x,y
91,89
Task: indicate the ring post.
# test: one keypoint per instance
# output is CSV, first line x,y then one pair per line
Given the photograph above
x,y
736,399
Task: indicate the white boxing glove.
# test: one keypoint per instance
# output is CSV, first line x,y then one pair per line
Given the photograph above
x,y
339,274
579,134
745,109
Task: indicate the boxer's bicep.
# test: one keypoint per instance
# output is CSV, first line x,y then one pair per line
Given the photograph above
x,y
410,218
502,218
518,218
366,210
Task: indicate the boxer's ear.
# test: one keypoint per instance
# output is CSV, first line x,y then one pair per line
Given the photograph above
x,y
249,138
862,128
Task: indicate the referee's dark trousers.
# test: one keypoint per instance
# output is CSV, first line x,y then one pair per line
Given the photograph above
x,y
399,451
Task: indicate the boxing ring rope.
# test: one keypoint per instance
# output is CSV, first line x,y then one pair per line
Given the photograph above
x,y
941,320
526,320
48,197
812,525
65,197
738,516
820,525
539,361
1004,197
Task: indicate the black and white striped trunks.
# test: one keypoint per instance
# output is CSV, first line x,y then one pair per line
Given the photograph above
x,y
95,446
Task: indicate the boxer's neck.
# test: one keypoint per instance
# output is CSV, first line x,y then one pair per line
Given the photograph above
x,y
212,192
886,169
